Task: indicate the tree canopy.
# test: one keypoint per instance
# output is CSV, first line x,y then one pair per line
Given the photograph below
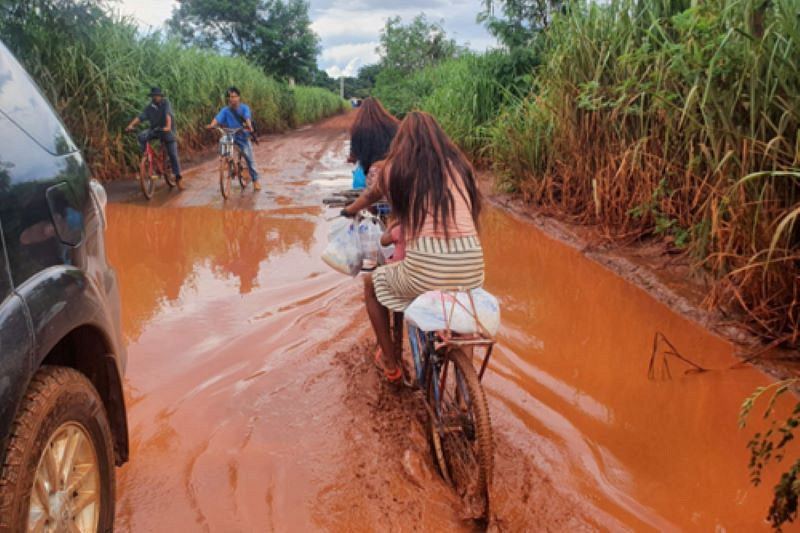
x,y
274,34
410,47
519,21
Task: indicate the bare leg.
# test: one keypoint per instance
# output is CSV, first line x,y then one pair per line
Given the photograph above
x,y
379,316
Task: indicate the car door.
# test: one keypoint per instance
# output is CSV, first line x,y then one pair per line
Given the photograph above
x,y
44,203
16,347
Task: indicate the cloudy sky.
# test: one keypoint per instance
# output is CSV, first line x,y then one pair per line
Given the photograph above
x,y
349,29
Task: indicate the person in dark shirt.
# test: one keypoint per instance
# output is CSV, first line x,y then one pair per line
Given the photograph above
x,y
158,113
237,115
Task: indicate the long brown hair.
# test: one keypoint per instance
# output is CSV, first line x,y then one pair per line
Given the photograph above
x,y
421,162
372,133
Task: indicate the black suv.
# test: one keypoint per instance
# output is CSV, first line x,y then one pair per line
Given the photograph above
x,y
62,413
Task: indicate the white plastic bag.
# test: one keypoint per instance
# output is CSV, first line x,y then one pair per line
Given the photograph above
x,y
337,226
428,314
343,252
370,230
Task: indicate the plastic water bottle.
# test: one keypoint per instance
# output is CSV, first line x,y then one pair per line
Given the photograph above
x,y
369,234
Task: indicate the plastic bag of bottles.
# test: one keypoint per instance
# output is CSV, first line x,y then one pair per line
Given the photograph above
x,y
343,253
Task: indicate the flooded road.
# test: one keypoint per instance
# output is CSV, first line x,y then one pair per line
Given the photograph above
x,y
253,406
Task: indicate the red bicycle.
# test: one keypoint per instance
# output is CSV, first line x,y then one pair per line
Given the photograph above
x,y
154,165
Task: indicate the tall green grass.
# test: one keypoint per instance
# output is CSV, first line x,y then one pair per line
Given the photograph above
x,y
313,103
680,121
98,73
465,94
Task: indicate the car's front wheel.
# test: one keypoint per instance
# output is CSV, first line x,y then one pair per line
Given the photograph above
x,y
58,473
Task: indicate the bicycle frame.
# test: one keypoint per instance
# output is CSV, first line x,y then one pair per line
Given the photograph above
x,y
156,160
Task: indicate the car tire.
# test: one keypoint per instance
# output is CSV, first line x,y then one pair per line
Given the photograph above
x,y
58,398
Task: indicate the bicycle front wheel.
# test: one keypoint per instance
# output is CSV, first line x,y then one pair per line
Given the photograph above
x,y
226,172
461,431
146,179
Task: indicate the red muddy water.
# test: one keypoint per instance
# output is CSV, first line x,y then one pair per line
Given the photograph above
x,y
253,406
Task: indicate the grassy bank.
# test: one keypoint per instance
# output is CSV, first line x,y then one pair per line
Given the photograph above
x,y
680,122
97,71
660,119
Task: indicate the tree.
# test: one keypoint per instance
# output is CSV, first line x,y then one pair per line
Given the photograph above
x,y
522,20
408,48
322,79
274,34
369,73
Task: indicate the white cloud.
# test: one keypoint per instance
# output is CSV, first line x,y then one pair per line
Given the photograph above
x,y
357,25
149,14
350,70
343,53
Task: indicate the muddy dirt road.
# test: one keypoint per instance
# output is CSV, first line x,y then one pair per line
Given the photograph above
x,y
253,406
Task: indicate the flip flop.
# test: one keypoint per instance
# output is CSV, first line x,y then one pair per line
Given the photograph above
x,y
391,377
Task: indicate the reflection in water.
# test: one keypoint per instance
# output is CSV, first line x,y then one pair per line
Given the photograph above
x,y
157,252
571,379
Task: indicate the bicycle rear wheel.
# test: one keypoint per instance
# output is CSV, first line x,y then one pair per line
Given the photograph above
x,y
461,431
146,180
226,172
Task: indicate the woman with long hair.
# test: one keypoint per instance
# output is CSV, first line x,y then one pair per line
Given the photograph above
x,y
370,136
433,192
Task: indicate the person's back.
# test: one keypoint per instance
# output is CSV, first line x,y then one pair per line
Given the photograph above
x,y
433,192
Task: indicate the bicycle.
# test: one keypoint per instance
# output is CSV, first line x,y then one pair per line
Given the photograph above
x,y
460,425
442,371
231,162
154,165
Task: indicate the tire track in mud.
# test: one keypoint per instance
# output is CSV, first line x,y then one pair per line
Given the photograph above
x,y
395,484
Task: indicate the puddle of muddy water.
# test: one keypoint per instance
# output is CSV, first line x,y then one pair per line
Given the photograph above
x,y
570,386
226,316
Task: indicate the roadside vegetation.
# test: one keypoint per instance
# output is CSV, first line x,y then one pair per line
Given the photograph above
x,y
96,69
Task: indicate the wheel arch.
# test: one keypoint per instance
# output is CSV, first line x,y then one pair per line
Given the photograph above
x,y
88,350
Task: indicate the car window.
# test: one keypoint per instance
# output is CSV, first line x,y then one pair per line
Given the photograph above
x,y
23,103
65,209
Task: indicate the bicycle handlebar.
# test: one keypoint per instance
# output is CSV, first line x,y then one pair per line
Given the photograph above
x,y
229,131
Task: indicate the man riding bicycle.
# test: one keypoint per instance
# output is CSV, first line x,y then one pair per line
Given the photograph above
x,y
162,127
236,115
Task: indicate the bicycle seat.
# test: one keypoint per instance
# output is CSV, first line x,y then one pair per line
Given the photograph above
x,y
470,312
